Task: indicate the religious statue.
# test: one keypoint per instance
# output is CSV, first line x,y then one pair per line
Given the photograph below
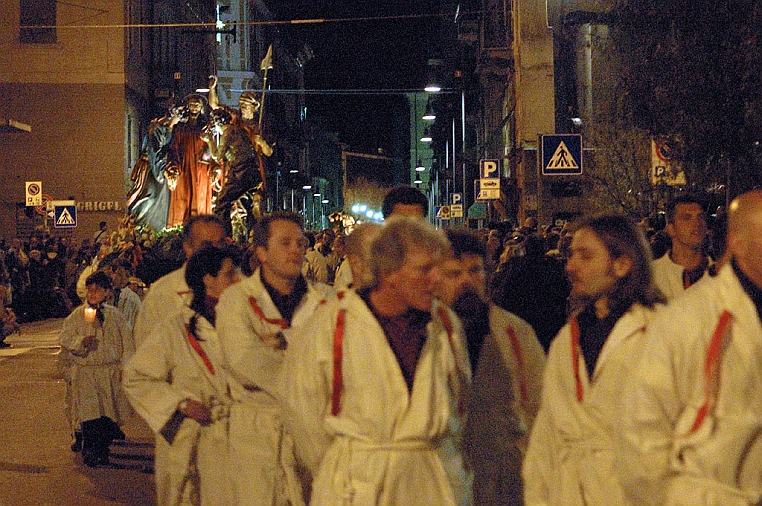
x,y
148,198
241,161
189,171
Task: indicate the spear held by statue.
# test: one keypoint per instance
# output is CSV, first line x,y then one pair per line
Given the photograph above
x,y
267,64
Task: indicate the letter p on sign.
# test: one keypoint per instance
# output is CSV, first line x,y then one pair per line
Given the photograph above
x,y
489,169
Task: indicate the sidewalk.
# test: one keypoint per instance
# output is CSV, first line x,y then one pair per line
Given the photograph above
x,y
37,467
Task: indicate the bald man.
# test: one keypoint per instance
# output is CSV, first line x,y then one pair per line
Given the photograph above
x,y
692,418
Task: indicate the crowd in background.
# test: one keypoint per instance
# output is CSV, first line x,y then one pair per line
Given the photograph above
x,y
525,268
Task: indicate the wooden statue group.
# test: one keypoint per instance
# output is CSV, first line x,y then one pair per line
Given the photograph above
x,y
201,157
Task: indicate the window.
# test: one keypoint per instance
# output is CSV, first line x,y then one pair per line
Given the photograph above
x,y
34,13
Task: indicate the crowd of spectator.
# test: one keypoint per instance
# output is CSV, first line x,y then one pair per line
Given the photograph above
x,y
39,275
525,269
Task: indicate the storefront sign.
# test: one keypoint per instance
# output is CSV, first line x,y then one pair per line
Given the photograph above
x,y
100,205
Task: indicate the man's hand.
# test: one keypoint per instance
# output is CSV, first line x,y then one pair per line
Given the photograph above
x,y
90,343
197,411
172,176
262,146
276,341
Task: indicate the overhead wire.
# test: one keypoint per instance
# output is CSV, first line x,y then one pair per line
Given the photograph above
x,y
356,91
247,23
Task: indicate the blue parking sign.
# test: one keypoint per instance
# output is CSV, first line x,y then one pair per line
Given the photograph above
x,y
489,169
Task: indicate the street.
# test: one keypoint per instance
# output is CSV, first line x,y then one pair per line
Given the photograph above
x,y
37,466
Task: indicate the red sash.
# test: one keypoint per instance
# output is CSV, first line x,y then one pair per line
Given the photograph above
x,y
575,351
198,349
280,322
338,356
712,370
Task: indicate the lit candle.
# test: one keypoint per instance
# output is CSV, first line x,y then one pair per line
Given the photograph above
x,y
90,315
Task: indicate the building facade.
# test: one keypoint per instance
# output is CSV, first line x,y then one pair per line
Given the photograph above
x,y
64,72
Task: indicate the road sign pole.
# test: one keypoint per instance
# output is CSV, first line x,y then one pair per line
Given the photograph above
x,y
463,135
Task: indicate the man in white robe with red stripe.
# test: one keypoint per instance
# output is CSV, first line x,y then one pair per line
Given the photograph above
x,y
571,459
693,419
257,322
374,394
508,362
170,293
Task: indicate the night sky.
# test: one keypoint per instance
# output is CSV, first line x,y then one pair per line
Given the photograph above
x,y
371,55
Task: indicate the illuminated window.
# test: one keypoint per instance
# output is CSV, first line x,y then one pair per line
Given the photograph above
x,y
37,13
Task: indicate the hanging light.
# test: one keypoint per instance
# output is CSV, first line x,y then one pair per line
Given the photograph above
x,y
417,179
419,167
433,88
429,114
426,135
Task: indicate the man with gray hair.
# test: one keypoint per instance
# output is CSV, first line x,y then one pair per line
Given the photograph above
x,y
374,398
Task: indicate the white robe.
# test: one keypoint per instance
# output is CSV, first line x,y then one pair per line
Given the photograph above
x,y
261,458
96,374
344,278
504,403
129,304
668,276
315,267
663,461
572,448
165,371
165,297
81,286
386,446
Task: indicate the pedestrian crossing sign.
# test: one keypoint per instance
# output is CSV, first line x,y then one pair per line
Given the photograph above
x,y
562,155
64,214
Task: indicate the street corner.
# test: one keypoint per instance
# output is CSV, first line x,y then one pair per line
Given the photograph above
x,y
12,352
38,334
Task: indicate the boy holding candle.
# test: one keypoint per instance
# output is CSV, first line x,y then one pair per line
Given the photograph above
x,y
99,341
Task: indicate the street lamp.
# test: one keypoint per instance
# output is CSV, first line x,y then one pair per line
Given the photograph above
x,y
429,115
305,188
318,196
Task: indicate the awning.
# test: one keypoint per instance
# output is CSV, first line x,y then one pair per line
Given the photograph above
x,y
10,125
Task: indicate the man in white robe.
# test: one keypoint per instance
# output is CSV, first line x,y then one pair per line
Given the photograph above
x,y
572,448
374,389
274,301
126,300
353,271
686,262
170,292
508,363
693,416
